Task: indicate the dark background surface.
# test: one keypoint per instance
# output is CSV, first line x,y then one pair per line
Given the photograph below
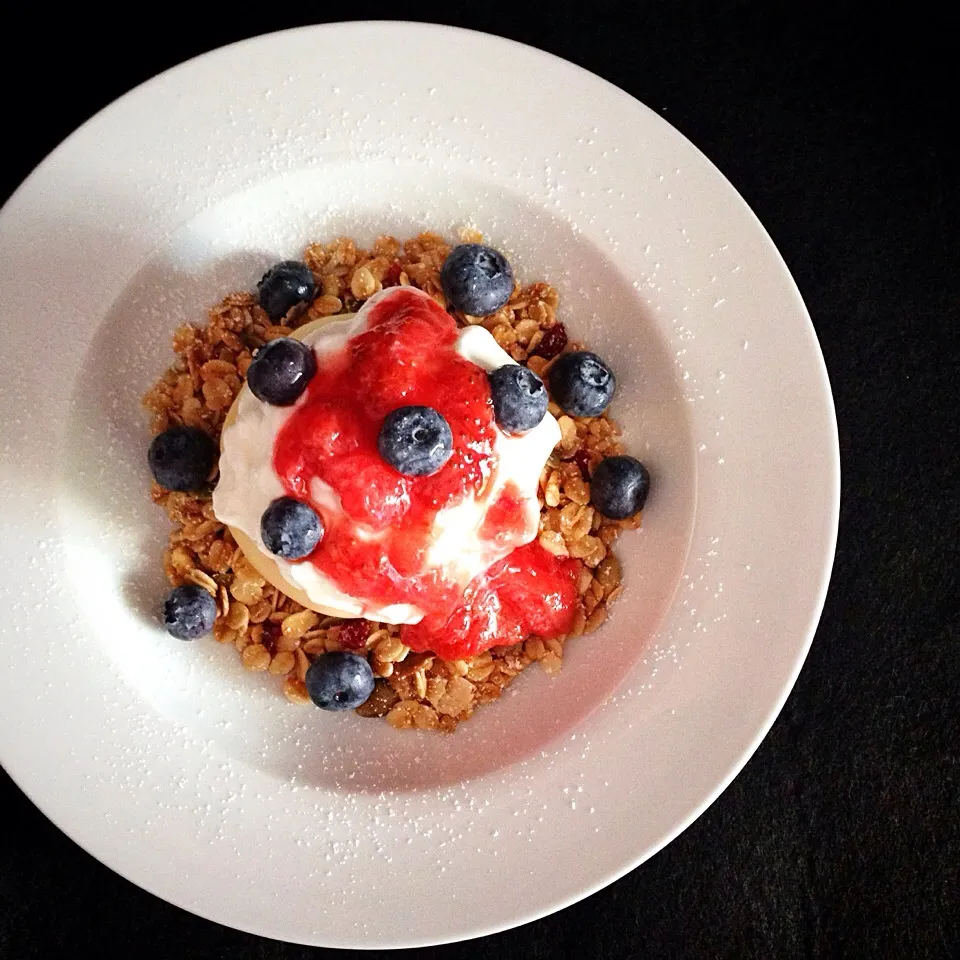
x,y
842,835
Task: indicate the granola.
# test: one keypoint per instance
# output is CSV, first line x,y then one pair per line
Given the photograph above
x,y
272,633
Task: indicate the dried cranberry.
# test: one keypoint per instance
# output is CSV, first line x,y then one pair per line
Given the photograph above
x,y
392,277
553,341
353,634
582,459
270,636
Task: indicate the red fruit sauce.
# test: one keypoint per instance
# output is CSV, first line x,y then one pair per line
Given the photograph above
x,y
406,355
530,591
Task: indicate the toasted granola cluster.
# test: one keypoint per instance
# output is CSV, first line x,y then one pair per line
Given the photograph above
x,y
276,635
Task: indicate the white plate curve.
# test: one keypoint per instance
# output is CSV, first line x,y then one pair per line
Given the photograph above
x,y
199,782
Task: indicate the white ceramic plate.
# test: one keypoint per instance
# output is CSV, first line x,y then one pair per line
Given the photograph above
x,y
199,782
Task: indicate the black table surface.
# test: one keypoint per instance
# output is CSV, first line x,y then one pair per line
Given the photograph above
x,y
841,837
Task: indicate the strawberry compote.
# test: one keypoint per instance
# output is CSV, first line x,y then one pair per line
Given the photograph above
x,y
377,547
530,591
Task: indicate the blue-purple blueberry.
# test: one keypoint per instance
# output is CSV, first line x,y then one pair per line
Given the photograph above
x,y
476,279
619,487
519,398
285,285
415,441
281,371
339,681
290,529
182,458
189,612
582,384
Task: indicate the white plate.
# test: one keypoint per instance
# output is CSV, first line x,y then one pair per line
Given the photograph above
x,y
199,782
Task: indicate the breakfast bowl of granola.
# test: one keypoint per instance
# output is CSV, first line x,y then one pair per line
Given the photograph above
x,y
398,493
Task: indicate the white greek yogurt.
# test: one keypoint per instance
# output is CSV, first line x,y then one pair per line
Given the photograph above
x,y
248,483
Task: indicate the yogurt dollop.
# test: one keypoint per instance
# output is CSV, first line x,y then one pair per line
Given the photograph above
x,y
396,549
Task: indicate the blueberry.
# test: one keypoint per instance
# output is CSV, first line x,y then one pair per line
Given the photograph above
x,y
339,681
290,529
582,384
415,441
182,458
283,286
476,279
619,487
519,398
281,371
189,612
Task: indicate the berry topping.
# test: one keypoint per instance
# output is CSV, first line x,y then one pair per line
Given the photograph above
x,y
182,458
476,279
415,441
582,384
619,487
339,681
283,286
519,398
189,612
340,434
552,342
531,591
290,528
281,371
